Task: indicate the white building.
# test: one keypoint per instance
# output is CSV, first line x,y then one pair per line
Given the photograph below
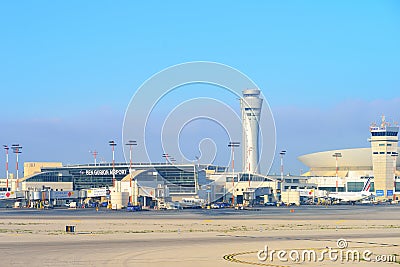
x,y
384,147
251,104
347,169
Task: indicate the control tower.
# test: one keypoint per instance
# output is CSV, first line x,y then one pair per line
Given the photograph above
x,y
250,104
384,149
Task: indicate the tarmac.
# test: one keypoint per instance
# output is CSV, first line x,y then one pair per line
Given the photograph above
x,y
223,237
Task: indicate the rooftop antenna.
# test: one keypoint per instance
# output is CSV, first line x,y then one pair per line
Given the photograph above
x,y
383,121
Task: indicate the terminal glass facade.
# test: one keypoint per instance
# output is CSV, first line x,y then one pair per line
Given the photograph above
x,y
178,178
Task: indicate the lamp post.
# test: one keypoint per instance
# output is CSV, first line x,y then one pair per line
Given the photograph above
x,y
281,154
394,155
130,143
232,145
94,154
198,161
6,148
165,155
113,144
249,150
337,155
17,150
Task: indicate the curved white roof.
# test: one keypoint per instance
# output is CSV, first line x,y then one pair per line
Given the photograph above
x,y
354,157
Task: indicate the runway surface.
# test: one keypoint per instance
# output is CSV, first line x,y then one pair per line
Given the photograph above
x,y
194,237
320,212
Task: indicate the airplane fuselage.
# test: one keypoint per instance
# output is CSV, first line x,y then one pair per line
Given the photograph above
x,y
350,196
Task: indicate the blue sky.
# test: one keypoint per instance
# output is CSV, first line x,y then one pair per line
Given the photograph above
x,y
69,68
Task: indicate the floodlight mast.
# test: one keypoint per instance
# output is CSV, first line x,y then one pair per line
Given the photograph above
x,y
94,154
113,144
130,143
337,155
232,145
166,156
17,150
282,154
6,148
394,155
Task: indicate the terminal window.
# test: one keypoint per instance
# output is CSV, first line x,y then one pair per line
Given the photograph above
x,y
229,179
384,133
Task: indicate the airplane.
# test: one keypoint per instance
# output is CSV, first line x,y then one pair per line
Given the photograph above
x,y
192,203
353,196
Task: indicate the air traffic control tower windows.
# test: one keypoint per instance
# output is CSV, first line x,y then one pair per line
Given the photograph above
x,y
384,133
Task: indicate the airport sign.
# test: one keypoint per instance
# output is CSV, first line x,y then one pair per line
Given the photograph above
x,y
380,193
97,192
8,195
389,193
103,172
63,194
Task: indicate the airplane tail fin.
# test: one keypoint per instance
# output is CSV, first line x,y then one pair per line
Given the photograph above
x,y
367,186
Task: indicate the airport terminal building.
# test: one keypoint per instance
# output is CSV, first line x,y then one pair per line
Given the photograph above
x,y
144,183
346,169
183,179
207,182
341,170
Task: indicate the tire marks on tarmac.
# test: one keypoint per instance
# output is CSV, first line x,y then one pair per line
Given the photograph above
x,y
233,256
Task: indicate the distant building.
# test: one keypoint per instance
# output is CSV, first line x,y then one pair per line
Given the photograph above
x,y
208,182
384,139
347,169
182,180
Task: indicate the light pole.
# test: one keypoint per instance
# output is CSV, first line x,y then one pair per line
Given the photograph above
x,y
394,155
17,150
94,154
232,145
249,150
337,155
198,161
113,144
165,155
281,154
6,148
130,144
